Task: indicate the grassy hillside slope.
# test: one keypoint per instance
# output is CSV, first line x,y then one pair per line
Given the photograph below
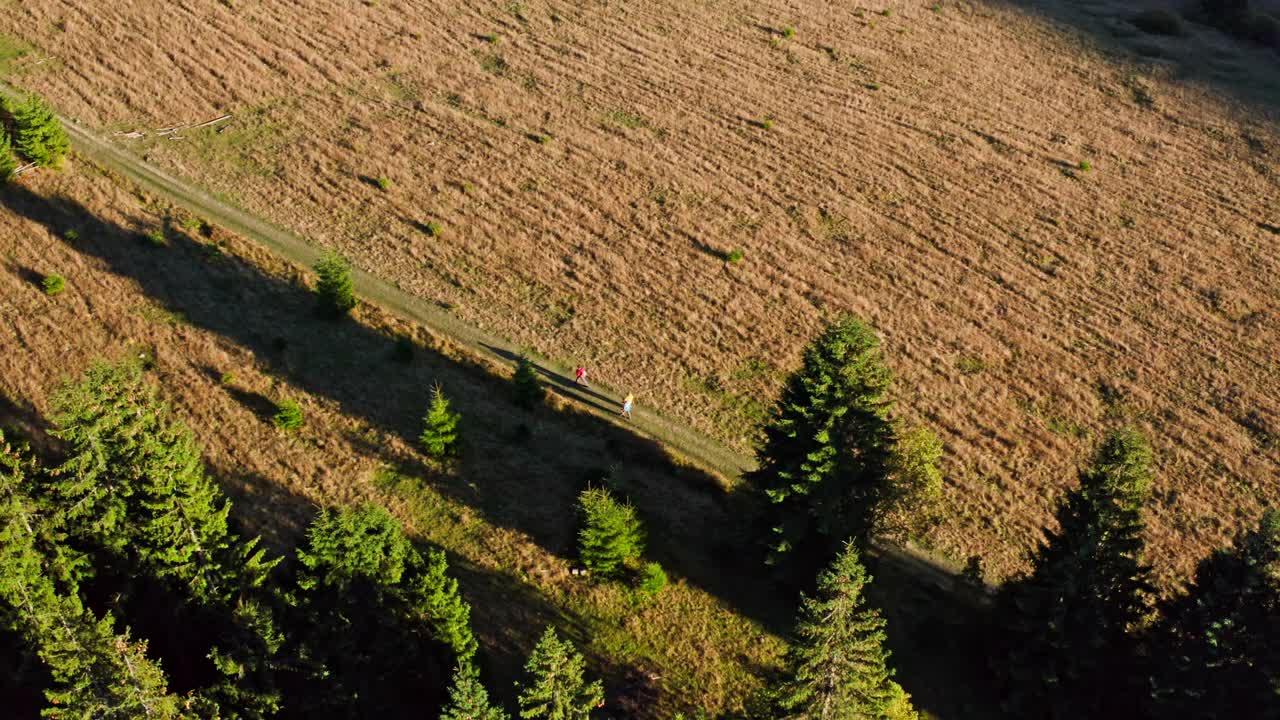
x,y
1051,234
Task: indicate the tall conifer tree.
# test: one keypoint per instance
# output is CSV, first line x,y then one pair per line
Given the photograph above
x,y
1217,648
839,665
1070,652
827,450
557,689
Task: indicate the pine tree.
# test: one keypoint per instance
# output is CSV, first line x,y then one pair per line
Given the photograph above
x,y
556,689
468,698
365,543
839,666
95,672
135,485
37,133
134,482
440,427
528,389
611,533
1217,647
376,614
8,164
334,288
825,458
1069,652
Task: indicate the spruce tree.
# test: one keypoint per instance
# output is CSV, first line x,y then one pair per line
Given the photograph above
x,y
825,459
96,673
556,689
1069,651
611,533
838,668
468,698
439,436
528,389
134,482
376,615
8,164
37,133
335,291
1217,648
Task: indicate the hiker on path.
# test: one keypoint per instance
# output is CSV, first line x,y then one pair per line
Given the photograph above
x,y
626,405
580,376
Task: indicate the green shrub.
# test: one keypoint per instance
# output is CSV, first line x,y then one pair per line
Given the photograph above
x,y
788,32
652,579
432,229
1085,166
228,378
733,257
528,389
383,182
288,415
37,133
1157,22
71,235
156,237
334,289
53,284
611,533
439,436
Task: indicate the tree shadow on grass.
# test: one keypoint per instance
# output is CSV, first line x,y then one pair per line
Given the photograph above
x,y
1198,55
520,469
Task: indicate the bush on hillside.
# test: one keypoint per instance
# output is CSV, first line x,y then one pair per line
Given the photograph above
x,y
53,284
288,415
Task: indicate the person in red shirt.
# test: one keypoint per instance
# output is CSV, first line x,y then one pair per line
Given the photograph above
x,y
580,376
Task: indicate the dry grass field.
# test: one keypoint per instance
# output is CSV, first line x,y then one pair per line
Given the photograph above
x,y
1053,221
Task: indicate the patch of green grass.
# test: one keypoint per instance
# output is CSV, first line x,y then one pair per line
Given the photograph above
x,y
538,138
970,365
288,415
491,38
734,257
71,235
161,316
156,237
383,182
626,119
788,32
53,284
432,229
887,12
1085,166
12,50
494,64
228,378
